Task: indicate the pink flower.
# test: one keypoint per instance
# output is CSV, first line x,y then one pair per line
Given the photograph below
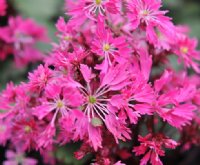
x,y
16,158
186,51
80,128
46,138
174,105
147,13
112,49
3,7
65,33
152,146
117,126
95,101
58,99
39,78
25,133
134,100
11,100
90,9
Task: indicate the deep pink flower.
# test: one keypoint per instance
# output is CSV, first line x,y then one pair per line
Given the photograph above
x,y
81,10
134,100
13,100
174,105
147,13
46,137
59,99
186,51
65,33
112,49
25,133
152,147
39,78
95,101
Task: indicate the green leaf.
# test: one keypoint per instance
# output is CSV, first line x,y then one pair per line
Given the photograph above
x,y
39,9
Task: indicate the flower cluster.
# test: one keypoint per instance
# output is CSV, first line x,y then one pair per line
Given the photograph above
x,y
109,73
19,38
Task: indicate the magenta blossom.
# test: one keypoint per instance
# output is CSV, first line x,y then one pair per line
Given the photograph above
x,y
152,148
146,13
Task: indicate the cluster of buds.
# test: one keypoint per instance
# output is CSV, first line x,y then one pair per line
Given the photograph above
x,y
109,79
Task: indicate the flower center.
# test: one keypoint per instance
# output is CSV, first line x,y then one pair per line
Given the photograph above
x,y
98,2
144,13
184,49
92,99
60,104
67,38
27,129
106,47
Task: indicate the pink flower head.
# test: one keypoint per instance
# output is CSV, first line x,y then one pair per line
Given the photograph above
x,y
65,33
3,7
174,105
95,100
7,100
90,8
147,13
186,51
58,99
40,78
152,147
25,133
112,49
135,100
16,158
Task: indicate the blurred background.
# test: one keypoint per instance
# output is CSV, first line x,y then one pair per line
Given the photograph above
x,y
46,12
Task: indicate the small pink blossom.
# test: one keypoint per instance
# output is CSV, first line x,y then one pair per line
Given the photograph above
x,y
147,13
186,51
152,148
108,47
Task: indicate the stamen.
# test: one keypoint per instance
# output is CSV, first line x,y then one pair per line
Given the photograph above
x,y
92,99
106,47
27,129
184,50
60,104
98,2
